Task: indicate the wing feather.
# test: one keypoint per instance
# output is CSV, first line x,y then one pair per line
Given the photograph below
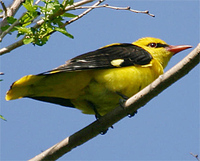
x,y
102,58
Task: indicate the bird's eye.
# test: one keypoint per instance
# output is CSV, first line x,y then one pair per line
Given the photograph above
x,y
153,45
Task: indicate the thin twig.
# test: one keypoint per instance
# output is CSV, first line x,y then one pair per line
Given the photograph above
x,y
4,33
130,106
116,8
195,155
84,13
12,46
37,2
68,8
4,7
10,11
79,16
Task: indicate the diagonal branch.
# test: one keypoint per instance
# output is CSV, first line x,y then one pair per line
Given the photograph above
x,y
4,33
117,8
4,7
196,156
12,46
10,11
71,7
130,106
79,16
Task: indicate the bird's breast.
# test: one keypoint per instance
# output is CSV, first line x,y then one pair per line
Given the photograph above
x,y
105,85
129,80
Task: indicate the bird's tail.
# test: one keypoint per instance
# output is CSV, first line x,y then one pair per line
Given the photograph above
x,y
23,87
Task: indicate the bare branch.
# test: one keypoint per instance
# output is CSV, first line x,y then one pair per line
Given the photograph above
x,y
12,47
195,155
4,7
130,106
10,11
79,16
37,2
4,33
116,8
14,7
84,13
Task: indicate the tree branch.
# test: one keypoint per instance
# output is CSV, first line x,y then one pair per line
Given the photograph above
x,y
4,7
79,16
37,2
10,11
4,33
195,155
12,47
116,8
71,7
130,106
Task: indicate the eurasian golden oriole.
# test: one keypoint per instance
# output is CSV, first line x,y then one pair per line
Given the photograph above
x,y
94,82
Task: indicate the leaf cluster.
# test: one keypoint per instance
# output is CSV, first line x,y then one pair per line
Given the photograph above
x,y
1,117
49,13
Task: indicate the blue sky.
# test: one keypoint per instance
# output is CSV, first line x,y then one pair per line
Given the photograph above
x,y
167,128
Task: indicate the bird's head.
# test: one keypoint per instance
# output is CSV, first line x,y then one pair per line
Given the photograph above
x,y
159,49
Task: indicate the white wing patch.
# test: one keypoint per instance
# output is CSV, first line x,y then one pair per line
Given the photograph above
x,y
117,62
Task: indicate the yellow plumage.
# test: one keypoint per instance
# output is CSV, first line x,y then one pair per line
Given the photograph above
x,y
97,88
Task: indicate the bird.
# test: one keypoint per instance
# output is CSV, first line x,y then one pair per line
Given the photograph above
x,y
95,82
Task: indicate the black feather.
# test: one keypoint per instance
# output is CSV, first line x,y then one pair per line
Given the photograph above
x,y
56,100
102,58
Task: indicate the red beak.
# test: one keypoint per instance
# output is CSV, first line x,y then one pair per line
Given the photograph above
x,y
177,48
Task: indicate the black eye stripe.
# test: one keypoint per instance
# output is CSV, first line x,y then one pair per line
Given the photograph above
x,y
159,45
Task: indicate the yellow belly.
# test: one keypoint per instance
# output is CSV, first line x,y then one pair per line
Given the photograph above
x,y
103,88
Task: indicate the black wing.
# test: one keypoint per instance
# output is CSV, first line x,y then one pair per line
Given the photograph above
x,y
102,58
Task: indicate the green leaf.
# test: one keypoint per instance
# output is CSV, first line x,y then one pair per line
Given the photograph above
x,y
58,21
50,7
29,1
63,31
68,2
28,40
24,30
11,19
2,118
1,10
27,18
3,28
29,7
70,15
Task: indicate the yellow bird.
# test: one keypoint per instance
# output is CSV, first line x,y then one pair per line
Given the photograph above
x,y
94,82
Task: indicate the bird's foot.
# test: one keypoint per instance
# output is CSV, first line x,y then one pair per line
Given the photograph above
x,y
122,101
98,116
132,114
